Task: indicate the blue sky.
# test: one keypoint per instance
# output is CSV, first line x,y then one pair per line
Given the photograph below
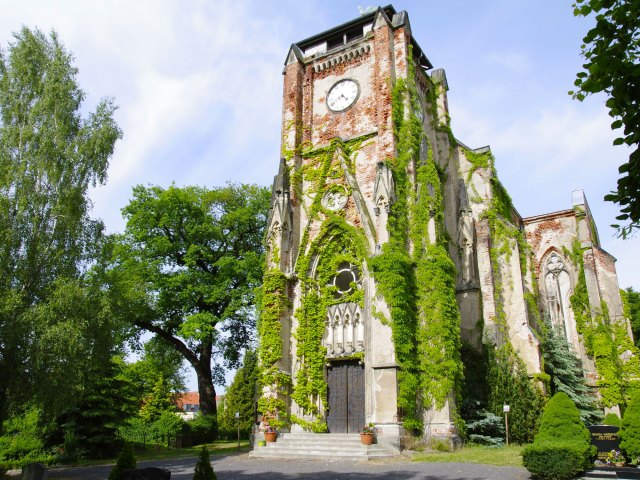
x,y
199,87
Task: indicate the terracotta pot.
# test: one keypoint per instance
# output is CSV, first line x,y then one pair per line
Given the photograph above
x,y
619,464
366,438
270,436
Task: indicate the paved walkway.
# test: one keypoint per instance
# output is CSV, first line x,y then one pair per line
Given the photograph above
x,y
241,467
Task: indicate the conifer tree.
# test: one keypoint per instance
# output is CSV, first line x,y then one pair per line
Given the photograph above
x,y
204,470
566,373
630,430
241,396
126,461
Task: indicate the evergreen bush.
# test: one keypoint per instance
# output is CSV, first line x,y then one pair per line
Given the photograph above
x,y
562,448
612,419
630,429
204,470
126,461
203,429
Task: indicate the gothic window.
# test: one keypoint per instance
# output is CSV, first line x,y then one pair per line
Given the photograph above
x,y
347,276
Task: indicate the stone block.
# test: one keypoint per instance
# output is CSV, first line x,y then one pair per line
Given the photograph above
x,y
34,471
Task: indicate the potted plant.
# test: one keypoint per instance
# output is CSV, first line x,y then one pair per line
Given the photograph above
x,y
366,435
270,434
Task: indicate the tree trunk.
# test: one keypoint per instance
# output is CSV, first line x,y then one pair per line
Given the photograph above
x,y
205,388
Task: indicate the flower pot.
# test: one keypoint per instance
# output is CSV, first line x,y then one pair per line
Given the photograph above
x,y
366,438
270,436
619,464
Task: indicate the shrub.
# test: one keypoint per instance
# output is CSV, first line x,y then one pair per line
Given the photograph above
x,y
126,461
611,419
21,441
630,429
204,470
167,425
557,461
203,429
562,448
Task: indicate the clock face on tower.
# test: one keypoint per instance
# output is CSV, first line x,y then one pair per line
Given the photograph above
x,y
342,95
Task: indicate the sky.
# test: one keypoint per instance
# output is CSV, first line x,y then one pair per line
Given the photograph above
x,y
199,89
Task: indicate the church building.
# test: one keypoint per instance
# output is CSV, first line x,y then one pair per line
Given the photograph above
x,y
395,255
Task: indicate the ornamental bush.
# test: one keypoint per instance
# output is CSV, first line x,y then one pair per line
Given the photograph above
x,y
562,448
126,461
630,429
204,470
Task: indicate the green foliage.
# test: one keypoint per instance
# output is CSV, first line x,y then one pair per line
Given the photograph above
x,y
22,438
49,157
419,287
159,360
631,304
612,419
561,422
90,428
196,255
204,470
562,447
273,303
556,461
630,428
203,428
611,50
605,340
566,373
509,384
241,397
481,425
337,244
159,401
126,461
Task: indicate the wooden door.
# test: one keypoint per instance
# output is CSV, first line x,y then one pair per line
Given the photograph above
x,y
345,382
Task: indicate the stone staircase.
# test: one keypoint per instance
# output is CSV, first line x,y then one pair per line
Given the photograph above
x,y
321,445
613,473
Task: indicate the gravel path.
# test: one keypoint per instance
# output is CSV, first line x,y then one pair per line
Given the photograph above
x,y
242,467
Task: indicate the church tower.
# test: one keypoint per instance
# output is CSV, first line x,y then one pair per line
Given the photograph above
x,y
362,283
393,251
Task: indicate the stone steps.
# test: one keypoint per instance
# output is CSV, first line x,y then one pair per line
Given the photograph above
x,y
320,445
613,473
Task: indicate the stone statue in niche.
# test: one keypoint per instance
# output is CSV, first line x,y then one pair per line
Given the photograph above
x,y
558,289
383,192
465,238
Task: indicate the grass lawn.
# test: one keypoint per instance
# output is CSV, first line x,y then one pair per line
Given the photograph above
x,y
215,448
505,456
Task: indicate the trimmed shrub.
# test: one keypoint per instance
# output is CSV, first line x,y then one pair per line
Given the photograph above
x,y
630,428
204,470
556,461
126,461
612,419
203,429
562,448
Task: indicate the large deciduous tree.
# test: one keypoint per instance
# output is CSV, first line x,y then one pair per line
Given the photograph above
x,y
192,259
612,53
49,156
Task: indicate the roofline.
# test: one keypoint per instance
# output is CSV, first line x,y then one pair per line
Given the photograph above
x,y
359,20
560,213
389,10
